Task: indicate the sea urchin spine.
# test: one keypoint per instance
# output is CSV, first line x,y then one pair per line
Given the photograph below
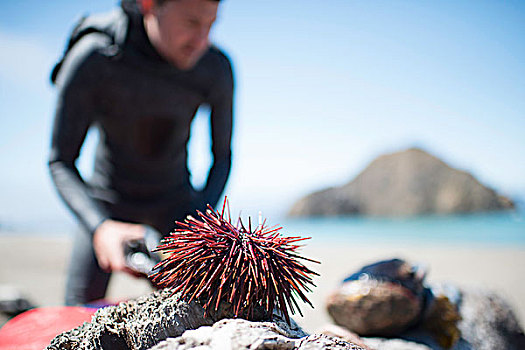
x,y
215,261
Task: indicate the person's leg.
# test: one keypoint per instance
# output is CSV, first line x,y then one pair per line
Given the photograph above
x,y
86,281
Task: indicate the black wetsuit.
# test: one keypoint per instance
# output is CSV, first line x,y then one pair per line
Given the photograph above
x,y
142,107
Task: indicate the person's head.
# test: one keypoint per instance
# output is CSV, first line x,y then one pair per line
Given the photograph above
x,y
179,29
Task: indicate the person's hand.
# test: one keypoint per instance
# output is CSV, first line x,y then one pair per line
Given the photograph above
x,y
108,242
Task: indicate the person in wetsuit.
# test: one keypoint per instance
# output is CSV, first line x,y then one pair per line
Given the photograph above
x,y
139,77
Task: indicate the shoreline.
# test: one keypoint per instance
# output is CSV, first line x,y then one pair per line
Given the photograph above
x,y
36,266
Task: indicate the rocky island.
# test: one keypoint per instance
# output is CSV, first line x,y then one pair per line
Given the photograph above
x,y
406,183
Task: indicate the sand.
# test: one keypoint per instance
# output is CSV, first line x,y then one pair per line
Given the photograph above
x,y
36,266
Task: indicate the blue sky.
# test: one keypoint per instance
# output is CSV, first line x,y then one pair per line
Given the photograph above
x,y
322,87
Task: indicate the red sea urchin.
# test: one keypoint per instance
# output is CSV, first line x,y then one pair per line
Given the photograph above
x,y
213,260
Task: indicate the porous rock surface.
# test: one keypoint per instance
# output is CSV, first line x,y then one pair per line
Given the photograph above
x,y
241,334
146,321
410,182
488,323
136,324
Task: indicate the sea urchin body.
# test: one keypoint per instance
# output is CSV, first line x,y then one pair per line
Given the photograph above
x,y
214,261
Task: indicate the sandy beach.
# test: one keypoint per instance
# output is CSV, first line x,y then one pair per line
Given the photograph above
x,y
36,266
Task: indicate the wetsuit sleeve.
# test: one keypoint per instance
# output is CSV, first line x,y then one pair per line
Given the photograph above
x,y
221,103
73,116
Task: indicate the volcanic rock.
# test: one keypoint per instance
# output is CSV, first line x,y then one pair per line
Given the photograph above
x,y
145,321
242,334
136,324
161,321
410,182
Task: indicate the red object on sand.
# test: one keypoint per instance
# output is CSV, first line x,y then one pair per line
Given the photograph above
x,y
34,329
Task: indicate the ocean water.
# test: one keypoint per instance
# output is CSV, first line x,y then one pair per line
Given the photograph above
x,y
500,228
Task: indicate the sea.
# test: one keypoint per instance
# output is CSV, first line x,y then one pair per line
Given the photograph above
x,y
505,228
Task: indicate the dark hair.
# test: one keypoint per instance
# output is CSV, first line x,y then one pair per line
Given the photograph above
x,y
161,2
132,6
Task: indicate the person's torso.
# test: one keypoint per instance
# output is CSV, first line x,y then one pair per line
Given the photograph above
x,y
143,109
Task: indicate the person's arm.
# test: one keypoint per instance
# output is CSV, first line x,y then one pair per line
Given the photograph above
x,y
76,83
74,113
221,120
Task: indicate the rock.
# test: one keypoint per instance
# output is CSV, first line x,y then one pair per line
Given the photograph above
x,y
136,324
372,308
12,301
343,333
382,299
410,182
144,322
393,270
242,334
489,322
394,344
485,322
159,321
441,318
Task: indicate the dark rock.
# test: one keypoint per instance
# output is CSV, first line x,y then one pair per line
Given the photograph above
x,y
393,270
12,301
160,321
386,300
144,322
374,308
489,322
136,324
382,299
410,182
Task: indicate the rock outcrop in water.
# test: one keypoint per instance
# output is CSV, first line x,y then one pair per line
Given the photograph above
x,y
406,183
